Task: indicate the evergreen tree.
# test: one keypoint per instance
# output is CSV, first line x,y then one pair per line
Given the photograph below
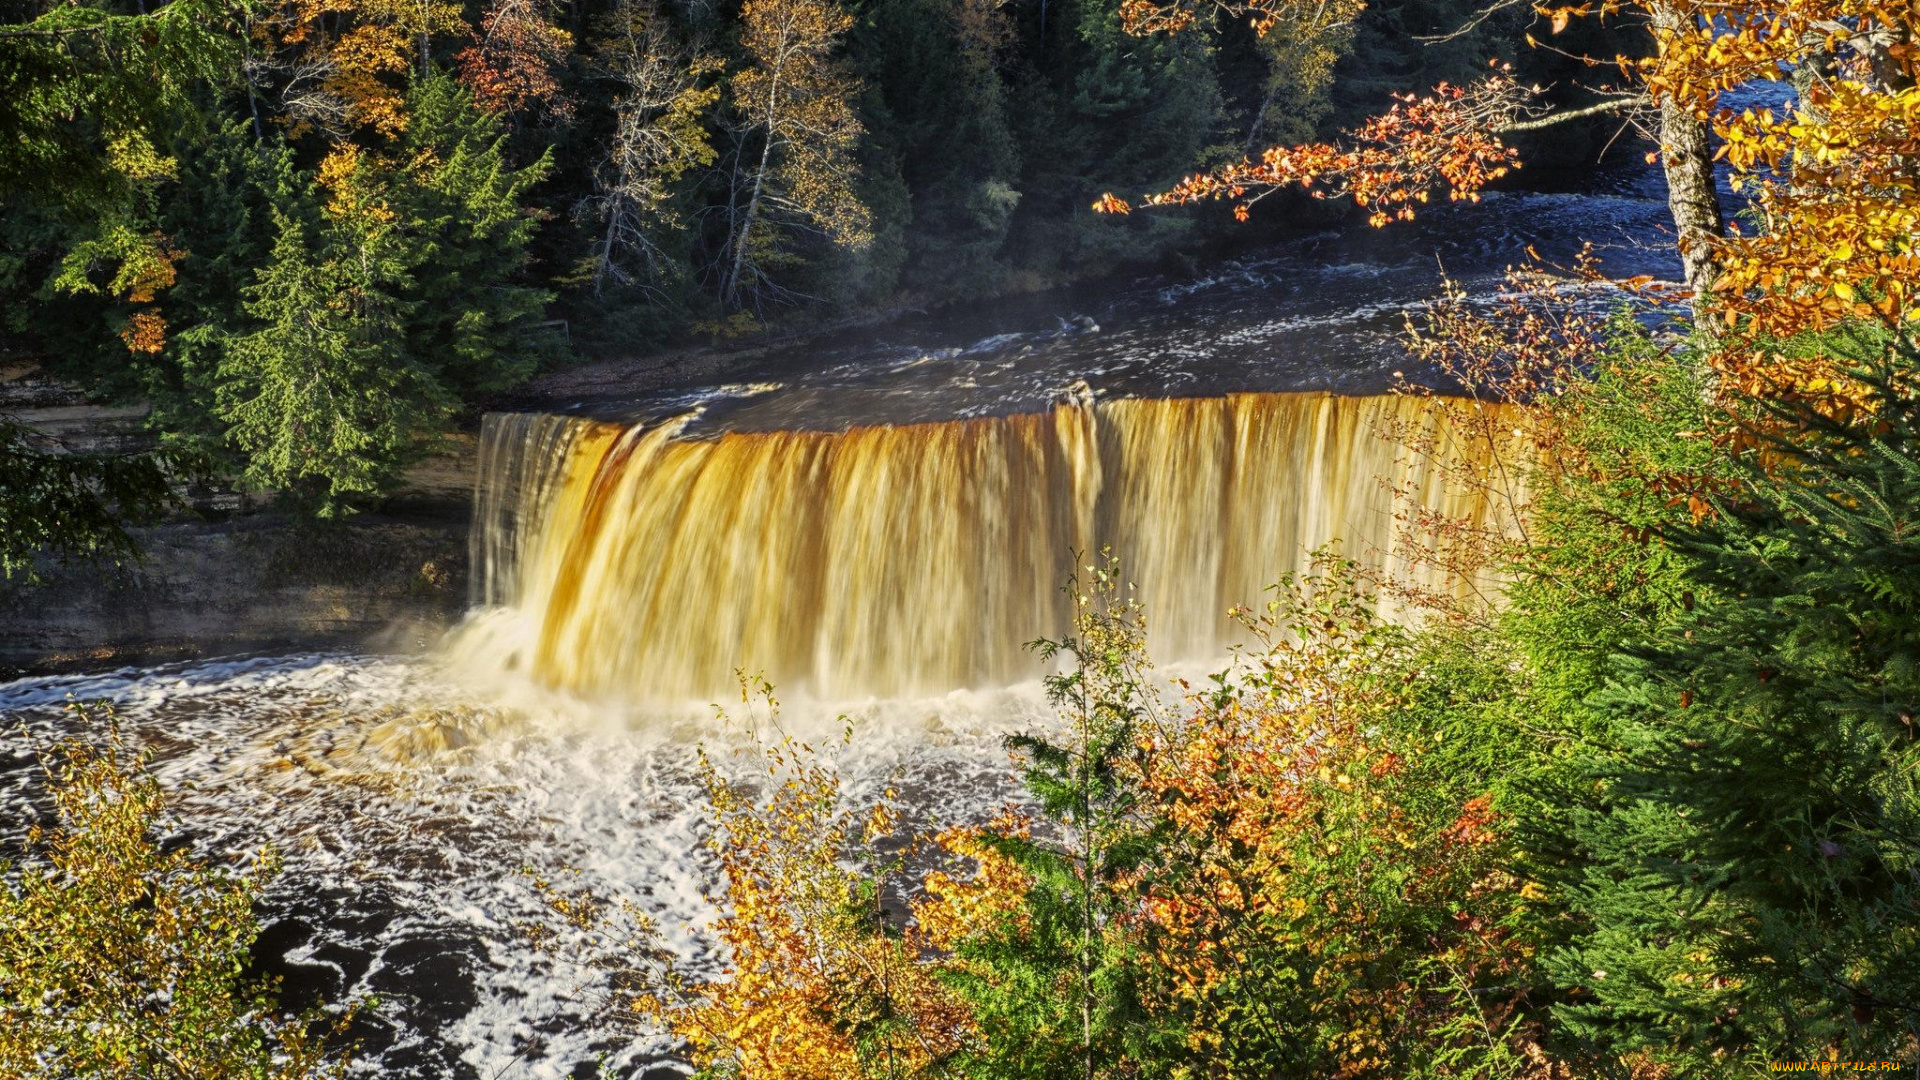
x,y
1107,110
473,318
1058,987
87,95
325,398
223,214
1751,884
939,104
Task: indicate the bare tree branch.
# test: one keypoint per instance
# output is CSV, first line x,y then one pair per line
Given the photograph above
x,y
1612,105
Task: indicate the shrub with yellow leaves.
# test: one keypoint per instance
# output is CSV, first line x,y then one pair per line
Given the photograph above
x,y
816,982
124,957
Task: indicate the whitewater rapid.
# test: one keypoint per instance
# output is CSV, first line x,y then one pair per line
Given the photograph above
x,y
413,809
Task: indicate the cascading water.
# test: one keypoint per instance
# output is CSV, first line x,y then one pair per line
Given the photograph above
x,y
630,568
894,561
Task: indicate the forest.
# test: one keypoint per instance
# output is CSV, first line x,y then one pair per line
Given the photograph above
x,y
1609,770
513,188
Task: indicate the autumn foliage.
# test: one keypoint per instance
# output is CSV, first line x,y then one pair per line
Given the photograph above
x,y
512,67
1237,879
1175,16
796,104
1835,201
1324,905
126,954
1443,141
820,987
821,980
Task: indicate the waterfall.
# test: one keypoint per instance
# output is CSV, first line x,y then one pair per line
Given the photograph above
x,y
899,561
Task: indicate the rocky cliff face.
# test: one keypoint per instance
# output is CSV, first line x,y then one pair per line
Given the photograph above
x,y
252,584
232,576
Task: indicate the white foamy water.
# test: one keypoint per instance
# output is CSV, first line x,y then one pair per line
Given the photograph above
x,y
407,805
407,798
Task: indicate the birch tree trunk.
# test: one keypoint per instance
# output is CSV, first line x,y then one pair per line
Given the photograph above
x,y
1686,156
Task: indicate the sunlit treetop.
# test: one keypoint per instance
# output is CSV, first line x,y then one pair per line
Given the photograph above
x,y
344,62
512,66
1831,237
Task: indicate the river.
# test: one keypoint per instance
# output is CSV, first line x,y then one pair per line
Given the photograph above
x,y
558,731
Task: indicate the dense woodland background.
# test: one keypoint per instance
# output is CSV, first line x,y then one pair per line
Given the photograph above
x,y
520,184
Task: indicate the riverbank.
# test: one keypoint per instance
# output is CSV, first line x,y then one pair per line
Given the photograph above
x,y
254,583
231,575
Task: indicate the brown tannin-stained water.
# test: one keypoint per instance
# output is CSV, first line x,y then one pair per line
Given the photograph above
x,y
638,564
878,523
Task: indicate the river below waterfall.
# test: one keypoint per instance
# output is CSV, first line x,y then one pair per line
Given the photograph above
x,y
412,810
408,793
